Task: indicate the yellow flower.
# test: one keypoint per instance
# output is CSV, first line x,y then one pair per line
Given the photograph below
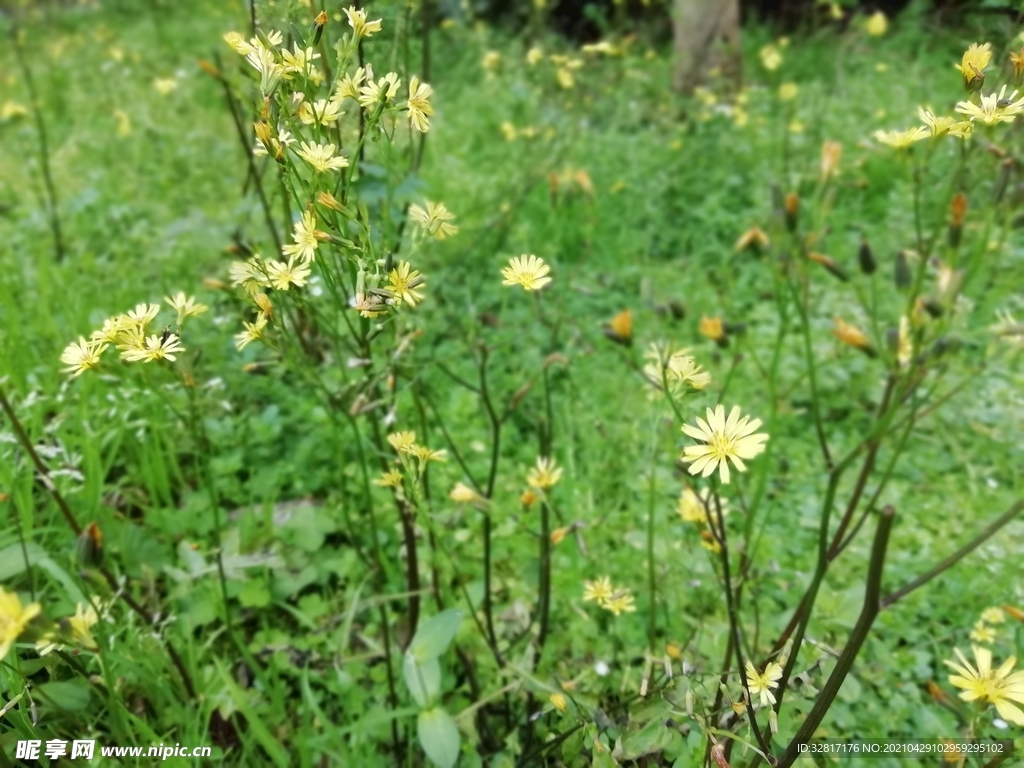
x,y
527,498
557,701
528,271
709,542
80,624
993,615
675,368
321,157
320,112
619,603
306,237
491,61
162,347
112,329
251,275
360,26
902,139
993,109
904,344
143,314
434,219
124,123
390,479
13,619
508,131
788,91
238,43
403,442
384,90
284,275
982,633
185,306
165,85
999,687
252,332
545,475
349,85
712,328
425,454
599,590
463,494
761,684
942,126
419,105
877,24
1017,60
565,78
80,356
771,58
973,64
297,61
534,56
403,283
724,440
693,507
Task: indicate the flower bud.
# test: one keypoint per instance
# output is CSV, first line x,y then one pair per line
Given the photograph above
x,y
320,22
866,258
792,210
830,264
901,275
89,547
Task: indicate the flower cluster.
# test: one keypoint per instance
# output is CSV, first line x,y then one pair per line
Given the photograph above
x,y
615,601
674,370
130,334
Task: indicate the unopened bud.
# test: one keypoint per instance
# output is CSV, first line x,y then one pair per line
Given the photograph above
x,y
773,721
901,275
320,22
263,133
866,258
559,534
89,547
792,210
830,264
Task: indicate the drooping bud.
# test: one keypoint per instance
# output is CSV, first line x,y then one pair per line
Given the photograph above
x,y
866,258
830,264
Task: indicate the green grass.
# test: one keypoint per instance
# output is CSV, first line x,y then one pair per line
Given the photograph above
x,y
302,680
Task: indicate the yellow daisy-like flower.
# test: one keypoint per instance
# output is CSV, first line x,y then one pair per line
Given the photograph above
x,y
360,26
162,347
321,157
391,479
944,126
307,237
534,56
13,619
491,61
693,506
771,58
762,683
972,65
112,329
252,332
419,105
403,282
1000,687
320,112
877,24
902,139
675,368
80,624
384,90
434,219
993,108
349,85
185,306
80,356
724,440
620,602
983,633
528,271
463,494
425,454
545,475
284,275
143,314
599,590
297,61
558,701
251,275
993,615
403,442
788,91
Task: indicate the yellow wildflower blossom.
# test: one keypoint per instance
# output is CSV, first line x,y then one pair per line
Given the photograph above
x,y
529,271
419,105
761,683
434,219
1000,687
723,440
545,474
13,619
972,66
360,26
80,356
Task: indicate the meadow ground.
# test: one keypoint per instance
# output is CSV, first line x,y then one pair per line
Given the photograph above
x,y
246,492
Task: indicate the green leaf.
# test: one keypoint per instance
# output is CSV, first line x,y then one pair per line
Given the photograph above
x,y
435,635
438,736
70,695
653,737
422,678
254,723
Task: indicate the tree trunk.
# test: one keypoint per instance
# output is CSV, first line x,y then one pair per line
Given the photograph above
x,y
707,36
